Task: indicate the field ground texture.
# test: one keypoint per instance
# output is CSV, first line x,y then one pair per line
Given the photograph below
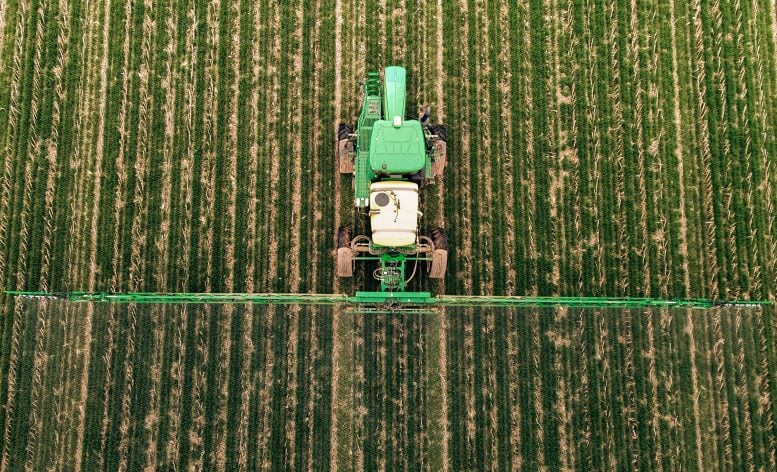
x,y
597,148
251,387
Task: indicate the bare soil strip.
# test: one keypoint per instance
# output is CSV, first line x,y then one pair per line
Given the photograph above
x,y
340,345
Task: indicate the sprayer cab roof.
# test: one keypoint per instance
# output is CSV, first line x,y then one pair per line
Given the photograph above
x,y
397,147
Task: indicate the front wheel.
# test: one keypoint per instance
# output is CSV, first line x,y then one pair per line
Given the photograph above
x,y
344,148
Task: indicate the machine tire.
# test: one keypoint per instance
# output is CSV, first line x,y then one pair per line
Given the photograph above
x,y
344,236
344,262
344,252
439,264
343,148
439,255
440,131
343,130
439,238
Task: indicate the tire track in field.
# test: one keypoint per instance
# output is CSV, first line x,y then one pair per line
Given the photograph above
x,y
340,344
441,78
679,153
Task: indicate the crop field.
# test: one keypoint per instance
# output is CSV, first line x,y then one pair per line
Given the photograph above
x,y
596,148
250,387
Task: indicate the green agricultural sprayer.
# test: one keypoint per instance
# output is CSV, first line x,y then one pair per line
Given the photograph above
x,y
392,159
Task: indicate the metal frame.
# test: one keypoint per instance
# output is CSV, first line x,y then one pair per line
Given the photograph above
x,y
391,301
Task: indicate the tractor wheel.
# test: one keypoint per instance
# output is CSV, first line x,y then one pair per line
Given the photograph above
x,y
344,262
440,238
343,130
344,235
439,255
344,252
440,131
439,264
343,148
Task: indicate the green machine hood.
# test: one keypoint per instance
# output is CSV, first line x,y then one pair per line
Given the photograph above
x,y
397,150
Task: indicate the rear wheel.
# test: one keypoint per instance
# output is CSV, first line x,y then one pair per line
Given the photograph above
x,y
440,254
345,259
343,148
